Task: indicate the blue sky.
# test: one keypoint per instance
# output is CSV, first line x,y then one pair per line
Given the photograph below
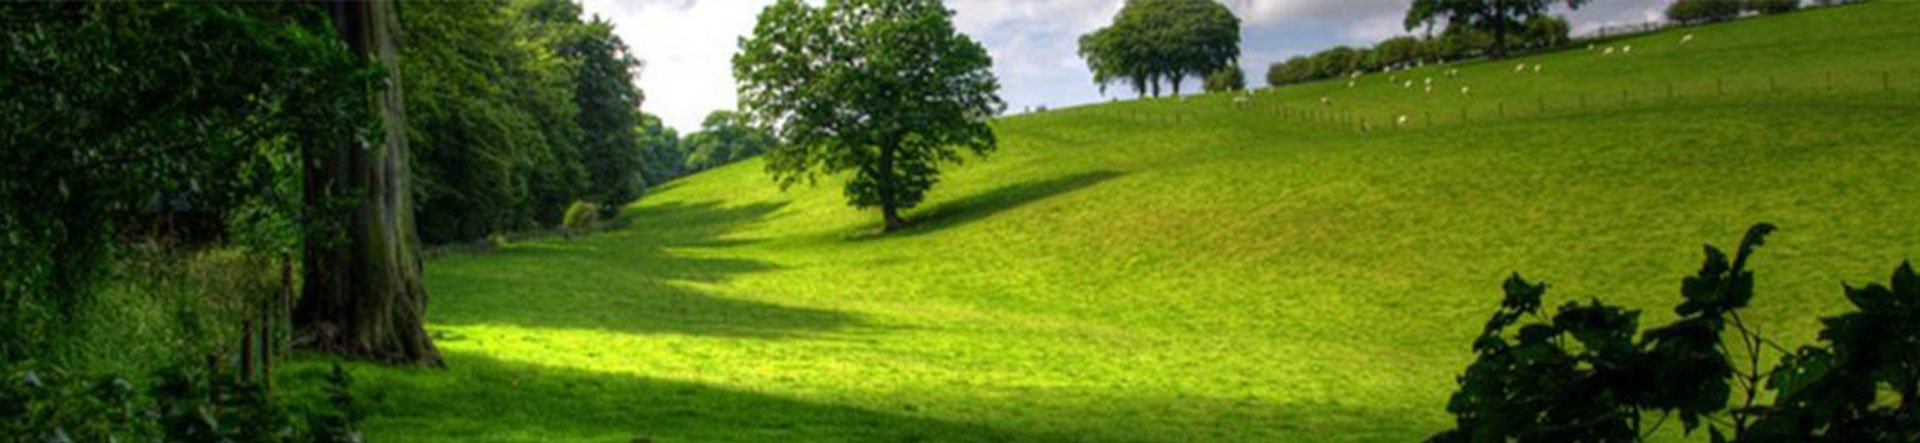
x,y
688,44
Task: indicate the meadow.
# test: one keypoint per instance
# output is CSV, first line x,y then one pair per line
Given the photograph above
x,y
1197,269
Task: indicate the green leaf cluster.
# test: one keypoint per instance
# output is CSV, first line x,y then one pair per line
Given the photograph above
x,y
1581,375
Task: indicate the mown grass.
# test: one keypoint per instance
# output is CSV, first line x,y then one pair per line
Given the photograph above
x,y
1113,274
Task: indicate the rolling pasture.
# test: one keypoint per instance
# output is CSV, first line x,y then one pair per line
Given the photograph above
x,y
1198,269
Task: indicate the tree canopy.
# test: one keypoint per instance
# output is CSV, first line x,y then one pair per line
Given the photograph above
x,y
885,89
724,137
1151,41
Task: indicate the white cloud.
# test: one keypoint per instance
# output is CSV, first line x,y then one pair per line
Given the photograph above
x,y
688,48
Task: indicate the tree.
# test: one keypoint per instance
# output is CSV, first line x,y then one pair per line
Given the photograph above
x,y
108,107
1765,7
1693,12
1397,51
662,157
609,110
886,89
1298,69
724,137
1546,31
1153,40
1499,18
362,293
1226,79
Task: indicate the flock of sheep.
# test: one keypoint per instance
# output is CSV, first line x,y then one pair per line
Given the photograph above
x,y
1245,98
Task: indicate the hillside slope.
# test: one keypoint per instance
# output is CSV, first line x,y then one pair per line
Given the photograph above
x,y
1197,270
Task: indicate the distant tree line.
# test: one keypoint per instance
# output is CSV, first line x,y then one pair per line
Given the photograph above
x,y
1693,12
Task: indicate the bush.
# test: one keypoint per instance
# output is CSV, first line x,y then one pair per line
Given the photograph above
x,y
1772,6
1226,79
183,405
1693,12
581,218
1295,70
1580,375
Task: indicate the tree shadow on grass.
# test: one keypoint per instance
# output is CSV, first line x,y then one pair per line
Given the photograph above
x,y
950,213
480,398
642,279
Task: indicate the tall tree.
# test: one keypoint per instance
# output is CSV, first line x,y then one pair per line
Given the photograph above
x,y
609,110
884,88
362,293
1496,17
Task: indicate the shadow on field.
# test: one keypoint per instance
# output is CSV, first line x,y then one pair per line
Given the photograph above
x,y
481,398
640,279
974,207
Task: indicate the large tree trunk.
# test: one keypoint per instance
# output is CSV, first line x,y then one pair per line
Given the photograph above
x,y
362,297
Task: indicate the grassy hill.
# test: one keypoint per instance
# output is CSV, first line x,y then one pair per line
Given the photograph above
x,y
1196,270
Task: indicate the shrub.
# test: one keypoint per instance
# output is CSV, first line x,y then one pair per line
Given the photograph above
x,y
1693,12
1772,6
1226,79
1581,375
581,218
182,405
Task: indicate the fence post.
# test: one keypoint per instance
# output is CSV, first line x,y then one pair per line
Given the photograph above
x,y
1829,80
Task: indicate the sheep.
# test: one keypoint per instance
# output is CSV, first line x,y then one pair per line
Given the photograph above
x,y
1466,91
1452,73
1324,100
1628,49
1685,39
1354,75
1429,89
1241,100
1536,68
1349,83
1408,84
1589,46
1429,81
1401,121
1608,51
1519,68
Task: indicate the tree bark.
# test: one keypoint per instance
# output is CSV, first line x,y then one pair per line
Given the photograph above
x,y
362,296
889,194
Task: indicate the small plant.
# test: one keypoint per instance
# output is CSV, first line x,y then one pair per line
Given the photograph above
x,y
182,405
1582,376
581,218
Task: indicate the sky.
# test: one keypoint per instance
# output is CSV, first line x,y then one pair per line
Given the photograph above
x,y
688,45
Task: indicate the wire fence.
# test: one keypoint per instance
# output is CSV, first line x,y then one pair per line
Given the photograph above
x,y
1428,112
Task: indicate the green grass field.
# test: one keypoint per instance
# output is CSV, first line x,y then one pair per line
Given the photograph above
x,y
1195,270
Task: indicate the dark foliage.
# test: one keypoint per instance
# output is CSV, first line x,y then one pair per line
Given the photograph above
x,y
1582,376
